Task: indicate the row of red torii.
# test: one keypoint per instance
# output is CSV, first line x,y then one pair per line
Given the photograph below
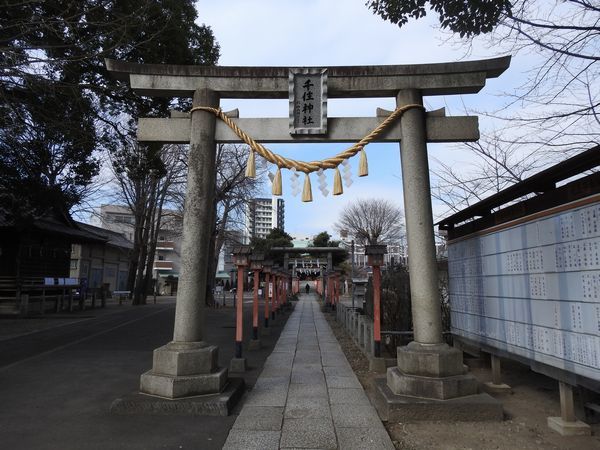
x,y
284,280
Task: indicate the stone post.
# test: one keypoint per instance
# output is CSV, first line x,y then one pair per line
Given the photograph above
x,y
187,366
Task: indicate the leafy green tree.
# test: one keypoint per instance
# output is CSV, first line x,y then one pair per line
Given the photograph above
x,y
323,239
467,18
276,238
46,150
58,106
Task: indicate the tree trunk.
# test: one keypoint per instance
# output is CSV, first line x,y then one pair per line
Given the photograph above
x,y
139,296
137,239
156,223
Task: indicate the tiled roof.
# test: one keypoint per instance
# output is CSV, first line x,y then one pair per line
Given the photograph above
x,y
111,237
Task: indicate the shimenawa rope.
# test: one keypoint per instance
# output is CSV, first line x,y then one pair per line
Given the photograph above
x,y
303,166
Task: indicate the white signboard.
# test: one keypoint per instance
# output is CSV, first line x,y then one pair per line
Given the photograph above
x,y
533,289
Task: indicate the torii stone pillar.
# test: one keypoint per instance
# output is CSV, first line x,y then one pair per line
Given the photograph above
x,y
427,367
187,366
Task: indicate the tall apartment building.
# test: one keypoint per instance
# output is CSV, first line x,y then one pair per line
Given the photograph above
x,y
262,215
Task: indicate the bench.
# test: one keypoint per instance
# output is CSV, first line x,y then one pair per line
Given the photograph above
x,y
122,295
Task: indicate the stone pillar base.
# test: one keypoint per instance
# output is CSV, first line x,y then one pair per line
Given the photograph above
x,y
575,428
170,386
219,404
402,408
492,388
254,344
432,388
430,360
431,383
237,365
184,369
379,365
433,371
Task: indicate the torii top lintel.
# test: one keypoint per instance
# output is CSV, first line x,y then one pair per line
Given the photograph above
x,y
169,80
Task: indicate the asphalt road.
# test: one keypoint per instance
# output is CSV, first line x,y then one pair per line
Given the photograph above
x,y
56,385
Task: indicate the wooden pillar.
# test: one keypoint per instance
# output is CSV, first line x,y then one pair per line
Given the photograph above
x,y
239,311
255,305
567,424
274,303
267,276
377,311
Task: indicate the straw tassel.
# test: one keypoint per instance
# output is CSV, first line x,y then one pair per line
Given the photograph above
x,y
276,188
363,165
251,166
307,191
337,183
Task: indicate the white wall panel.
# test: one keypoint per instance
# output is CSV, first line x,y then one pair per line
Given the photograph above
x,y
533,289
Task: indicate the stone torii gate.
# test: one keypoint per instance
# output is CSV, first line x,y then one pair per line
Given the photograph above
x,y
324,253
187,366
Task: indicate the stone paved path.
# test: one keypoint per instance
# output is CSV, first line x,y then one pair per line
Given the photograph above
x,y
307,395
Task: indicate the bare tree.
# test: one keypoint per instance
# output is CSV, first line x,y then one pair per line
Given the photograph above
x,y
372,221
492,166
561,96
147,177
551,115
233,190
558,103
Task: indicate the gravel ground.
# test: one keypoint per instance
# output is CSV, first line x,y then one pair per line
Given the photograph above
x,y
534,398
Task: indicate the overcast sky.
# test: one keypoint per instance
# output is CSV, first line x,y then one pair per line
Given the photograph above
x,y
323,33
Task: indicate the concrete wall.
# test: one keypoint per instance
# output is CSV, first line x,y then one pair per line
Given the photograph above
x,y
100,264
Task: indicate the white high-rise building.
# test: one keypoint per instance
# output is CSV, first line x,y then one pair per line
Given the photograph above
x,y
262,215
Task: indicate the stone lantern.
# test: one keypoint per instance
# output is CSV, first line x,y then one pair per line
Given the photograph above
x,y
375,254
241,255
